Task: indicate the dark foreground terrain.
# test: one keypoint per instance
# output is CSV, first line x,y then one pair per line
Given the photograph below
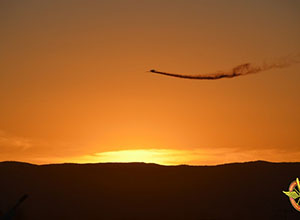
x,y
147,191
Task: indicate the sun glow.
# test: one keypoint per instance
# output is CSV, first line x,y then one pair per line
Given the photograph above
x,y
159,156
209,156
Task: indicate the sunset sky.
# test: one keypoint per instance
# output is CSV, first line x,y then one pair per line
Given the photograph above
x,y
74,85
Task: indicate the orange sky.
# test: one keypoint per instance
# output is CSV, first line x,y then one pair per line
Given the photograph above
x,y
74,86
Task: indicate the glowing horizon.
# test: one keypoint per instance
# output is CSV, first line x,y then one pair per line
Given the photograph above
x,y
181,157
175,157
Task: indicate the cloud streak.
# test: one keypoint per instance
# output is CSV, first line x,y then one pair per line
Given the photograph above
x,y
9,143
240,70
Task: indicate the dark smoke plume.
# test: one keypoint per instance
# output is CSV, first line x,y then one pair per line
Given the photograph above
x,y
240,70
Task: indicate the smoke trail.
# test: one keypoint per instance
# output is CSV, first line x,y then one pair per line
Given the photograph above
x,y
240,70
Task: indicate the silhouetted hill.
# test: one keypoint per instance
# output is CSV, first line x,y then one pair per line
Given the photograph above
x,y
251,190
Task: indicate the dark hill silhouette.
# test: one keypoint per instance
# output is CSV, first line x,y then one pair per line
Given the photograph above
x,y
251,190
